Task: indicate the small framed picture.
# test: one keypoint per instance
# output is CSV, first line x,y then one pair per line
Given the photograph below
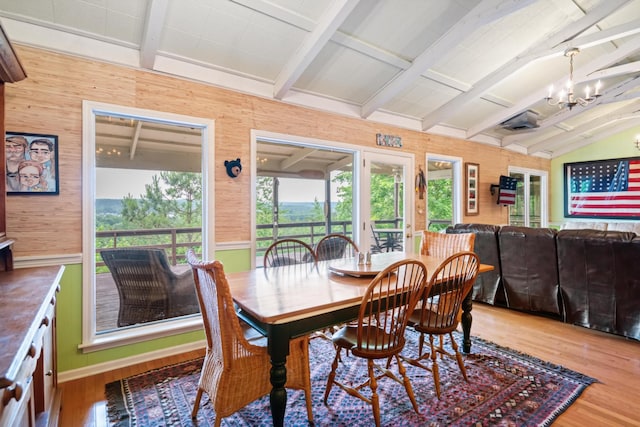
x,y
31,163
472,174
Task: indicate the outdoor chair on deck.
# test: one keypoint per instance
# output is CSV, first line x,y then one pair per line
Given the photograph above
x,y
379,331
289,252
335,246
235,371
148,289
438,316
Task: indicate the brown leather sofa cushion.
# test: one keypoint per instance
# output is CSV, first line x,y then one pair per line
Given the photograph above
x,y
529,265
488,286
599,276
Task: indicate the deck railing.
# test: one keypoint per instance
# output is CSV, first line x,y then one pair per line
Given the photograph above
x,y
176,241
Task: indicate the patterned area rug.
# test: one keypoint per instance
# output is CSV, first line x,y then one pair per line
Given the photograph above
x,y
505,388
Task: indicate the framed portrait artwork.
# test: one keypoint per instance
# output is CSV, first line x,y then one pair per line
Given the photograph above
x,y
472,176
31,163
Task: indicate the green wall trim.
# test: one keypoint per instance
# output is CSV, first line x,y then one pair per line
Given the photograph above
x,y
69,320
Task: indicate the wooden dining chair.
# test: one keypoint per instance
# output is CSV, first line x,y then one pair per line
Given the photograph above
x,y
335,246
379,331
236,367
437,314
289,252
443,245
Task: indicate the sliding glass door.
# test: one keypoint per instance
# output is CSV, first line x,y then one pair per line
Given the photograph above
x,y
530,209
386,197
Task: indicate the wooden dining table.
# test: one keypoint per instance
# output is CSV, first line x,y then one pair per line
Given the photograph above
x,y
290,301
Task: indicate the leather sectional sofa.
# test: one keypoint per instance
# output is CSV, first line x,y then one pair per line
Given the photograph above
x,y
586,277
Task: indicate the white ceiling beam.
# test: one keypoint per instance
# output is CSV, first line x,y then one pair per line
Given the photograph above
x,y
135,139
621,127
483,14
154,23
612,94
620,70
542,49
297,158
312,44
623,113
580,74
340,164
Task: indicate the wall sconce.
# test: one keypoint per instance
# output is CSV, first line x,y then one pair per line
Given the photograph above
x,y
233,167
637,142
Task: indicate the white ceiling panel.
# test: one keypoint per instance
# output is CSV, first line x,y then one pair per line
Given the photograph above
x,y
430,64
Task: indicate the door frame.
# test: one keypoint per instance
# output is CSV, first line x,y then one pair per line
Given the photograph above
x,y
458,182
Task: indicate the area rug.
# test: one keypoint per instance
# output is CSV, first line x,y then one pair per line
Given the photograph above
x,y
505,388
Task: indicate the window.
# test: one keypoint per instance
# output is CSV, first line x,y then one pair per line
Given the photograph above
x,y
530,209
444,184
144,191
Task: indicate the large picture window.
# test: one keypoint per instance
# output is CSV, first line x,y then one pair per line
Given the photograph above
x,y
145,194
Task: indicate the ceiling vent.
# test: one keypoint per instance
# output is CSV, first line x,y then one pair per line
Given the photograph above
x,y
525,120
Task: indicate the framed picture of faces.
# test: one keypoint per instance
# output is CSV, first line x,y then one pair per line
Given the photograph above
x,y
31,163
472,176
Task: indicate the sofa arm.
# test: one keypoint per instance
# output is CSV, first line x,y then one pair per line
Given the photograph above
x,y
599,279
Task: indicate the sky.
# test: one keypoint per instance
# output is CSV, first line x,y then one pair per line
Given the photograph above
x,y
118,183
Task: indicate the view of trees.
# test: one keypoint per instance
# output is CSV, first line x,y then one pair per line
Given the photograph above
x,y
439,198
174,200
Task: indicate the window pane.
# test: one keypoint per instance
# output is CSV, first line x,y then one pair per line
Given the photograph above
x,y
148,206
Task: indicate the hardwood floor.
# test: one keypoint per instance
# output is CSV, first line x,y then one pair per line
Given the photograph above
x,y
612,360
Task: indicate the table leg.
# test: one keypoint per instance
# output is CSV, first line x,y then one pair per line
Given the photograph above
x,y
466,322
278,349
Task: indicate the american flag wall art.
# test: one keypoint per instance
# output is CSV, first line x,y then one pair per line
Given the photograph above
x,y
507,190
603,189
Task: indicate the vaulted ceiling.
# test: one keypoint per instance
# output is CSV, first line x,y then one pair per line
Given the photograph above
x,y
453,67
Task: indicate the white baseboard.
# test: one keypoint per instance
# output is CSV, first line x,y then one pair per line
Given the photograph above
x,y
90,370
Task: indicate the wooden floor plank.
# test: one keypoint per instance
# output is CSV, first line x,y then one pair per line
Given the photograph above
x,y
614,361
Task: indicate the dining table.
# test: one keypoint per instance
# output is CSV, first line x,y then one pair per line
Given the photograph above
x,y
291,301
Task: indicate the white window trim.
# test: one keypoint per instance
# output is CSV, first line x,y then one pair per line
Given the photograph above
x,y
544,192
90,340
458,182
358,155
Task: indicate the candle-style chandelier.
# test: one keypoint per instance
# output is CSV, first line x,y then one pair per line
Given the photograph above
x,y
566,96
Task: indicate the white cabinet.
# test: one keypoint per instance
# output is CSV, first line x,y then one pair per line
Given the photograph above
x,y
28,380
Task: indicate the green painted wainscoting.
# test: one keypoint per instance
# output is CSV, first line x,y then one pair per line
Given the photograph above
x,y
69,320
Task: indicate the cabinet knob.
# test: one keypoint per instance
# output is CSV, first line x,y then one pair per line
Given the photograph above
x,y
49,373
45,321
32,350
14,392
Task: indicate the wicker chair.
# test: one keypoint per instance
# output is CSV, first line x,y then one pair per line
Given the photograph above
x,y
439,316
335,246
289,252
444,245
236,367
379,332
148,289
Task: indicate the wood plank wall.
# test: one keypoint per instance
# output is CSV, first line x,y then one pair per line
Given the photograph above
x,y
49,101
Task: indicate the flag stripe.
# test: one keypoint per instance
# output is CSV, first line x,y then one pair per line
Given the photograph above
x,y
607,188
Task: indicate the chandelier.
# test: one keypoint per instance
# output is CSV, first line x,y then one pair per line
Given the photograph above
x,y
566,96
